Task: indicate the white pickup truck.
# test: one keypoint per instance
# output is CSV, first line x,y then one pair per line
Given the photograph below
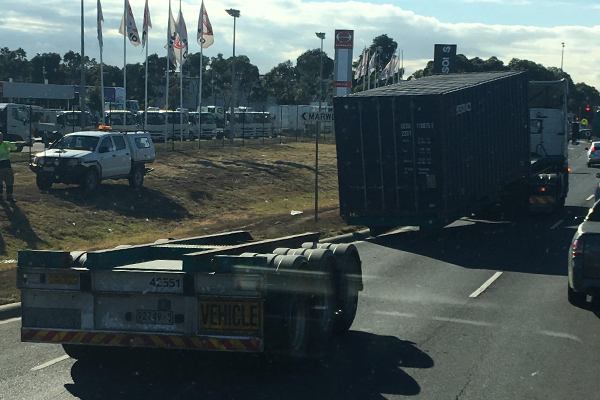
x,y
89,157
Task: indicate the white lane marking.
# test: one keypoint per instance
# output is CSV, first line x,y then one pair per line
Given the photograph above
x,y
462,321
591,197
396,314
8,321
557,224
49,363
561,335
486,285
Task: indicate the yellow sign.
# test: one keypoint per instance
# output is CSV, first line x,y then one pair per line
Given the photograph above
x,y
227,315
584,122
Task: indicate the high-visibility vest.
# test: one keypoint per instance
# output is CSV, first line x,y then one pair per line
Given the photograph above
x,y
5,148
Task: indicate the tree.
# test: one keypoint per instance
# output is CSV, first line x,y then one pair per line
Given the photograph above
x,y
49,62
13,64
308,73
280,82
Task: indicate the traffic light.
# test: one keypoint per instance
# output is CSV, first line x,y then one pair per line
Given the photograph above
x,y
587,114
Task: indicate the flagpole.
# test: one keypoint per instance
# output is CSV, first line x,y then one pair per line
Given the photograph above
x,y
125,48
200,80
102,86
180,83
168,66
146,88
364,55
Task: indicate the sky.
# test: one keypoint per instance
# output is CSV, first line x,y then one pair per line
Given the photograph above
x,y
272,31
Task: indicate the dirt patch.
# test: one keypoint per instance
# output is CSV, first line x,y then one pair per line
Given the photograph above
x,y
190,192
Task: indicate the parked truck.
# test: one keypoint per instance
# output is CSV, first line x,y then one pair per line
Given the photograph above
x,y
429,151
225,293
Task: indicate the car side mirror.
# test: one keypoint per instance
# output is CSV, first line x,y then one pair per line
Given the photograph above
x,y
587,148
104,149
598,175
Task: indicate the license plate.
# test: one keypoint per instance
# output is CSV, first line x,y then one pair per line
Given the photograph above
x,y
63,279
154,317
48,169
230,315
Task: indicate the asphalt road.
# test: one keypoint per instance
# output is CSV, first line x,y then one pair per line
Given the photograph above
x,y
428,327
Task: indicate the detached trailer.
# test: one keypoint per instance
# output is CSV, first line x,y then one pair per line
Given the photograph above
x,y
224,292
429,151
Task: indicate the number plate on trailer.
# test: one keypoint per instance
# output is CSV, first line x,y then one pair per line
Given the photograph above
x,y
63,279
154,317
230,315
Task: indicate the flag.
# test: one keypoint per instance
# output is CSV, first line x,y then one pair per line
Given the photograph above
x,y
181,43
171,37
361,69
147,25
129,22
100,20
205,31
389,69
372,63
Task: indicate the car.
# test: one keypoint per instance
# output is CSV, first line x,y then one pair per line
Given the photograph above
x,y
584,259
593,154
89,157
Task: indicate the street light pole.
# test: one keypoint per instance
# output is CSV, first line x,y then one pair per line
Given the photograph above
x,y
235,14
82,87
562,55
320,35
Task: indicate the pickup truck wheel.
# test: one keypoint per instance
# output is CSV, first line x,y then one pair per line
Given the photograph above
x,y
136,180
43,183
577,299
91,181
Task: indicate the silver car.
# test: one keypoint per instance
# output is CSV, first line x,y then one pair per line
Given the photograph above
x,y
593,154
584,259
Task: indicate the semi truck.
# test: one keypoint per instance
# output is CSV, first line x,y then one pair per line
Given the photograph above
x,y
429,151
222,293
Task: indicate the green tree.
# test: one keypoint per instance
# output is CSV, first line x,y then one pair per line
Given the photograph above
x,y
280,82
308,74
13,64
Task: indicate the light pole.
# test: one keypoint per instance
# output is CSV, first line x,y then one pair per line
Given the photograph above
x,y
320,35
562,55
235,14
82,87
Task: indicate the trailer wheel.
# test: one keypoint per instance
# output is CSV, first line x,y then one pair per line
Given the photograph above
x,y
43,183
83,352
576,299
347,296
297,321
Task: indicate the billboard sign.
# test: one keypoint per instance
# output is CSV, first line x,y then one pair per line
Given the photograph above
x,y
444,61
342,70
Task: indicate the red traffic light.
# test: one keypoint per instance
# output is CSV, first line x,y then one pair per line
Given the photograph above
x,y
587,109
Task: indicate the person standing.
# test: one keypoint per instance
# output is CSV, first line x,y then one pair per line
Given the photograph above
x,y
6,172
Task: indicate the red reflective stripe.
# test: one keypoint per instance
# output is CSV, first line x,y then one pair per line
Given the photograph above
x,y
88,337
147,340
227,344
106,339
49,336
187,342
27,334
251,344
68,337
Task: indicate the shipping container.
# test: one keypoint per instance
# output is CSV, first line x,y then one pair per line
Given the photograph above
x,y
426,152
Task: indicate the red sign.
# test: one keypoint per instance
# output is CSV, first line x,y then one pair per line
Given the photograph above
x,y
344,39
1,90
342,84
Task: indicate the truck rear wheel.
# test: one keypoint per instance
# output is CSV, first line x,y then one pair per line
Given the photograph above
x,y
83,352
136,180
43,182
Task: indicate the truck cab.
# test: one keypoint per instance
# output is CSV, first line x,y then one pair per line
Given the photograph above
x,y
209,125
121,120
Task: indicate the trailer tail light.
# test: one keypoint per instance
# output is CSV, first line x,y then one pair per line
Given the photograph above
x,y
577,248
542,188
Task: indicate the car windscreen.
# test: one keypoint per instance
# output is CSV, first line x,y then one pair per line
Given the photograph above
x,y
77,142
